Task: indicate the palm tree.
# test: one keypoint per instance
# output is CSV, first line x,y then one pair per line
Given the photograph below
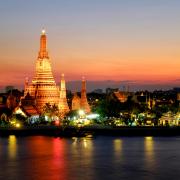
x,y
51,110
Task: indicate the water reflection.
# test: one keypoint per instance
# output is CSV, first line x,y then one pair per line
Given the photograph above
x,y
149,150
85,143
82,154
44,158
58,160
82,142
117,147
12,147
75,139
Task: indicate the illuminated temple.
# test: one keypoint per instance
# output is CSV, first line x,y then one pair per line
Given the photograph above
x,y
84,103
81,103
63,105
43,88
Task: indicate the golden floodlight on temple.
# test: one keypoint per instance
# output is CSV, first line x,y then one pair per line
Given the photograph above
x,y
43,88
84,102
63,105
43,31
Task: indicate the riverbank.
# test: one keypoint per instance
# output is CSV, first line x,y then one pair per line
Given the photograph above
x,y
136,131
71,131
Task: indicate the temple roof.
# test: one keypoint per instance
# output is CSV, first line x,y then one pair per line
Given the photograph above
x,y
30,110
121,96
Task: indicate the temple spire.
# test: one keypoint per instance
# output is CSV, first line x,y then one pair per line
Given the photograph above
x,y
43,86
43,45
63,105
84,102
26,83
63,85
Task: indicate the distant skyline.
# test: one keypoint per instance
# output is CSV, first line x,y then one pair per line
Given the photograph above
x,y
132,42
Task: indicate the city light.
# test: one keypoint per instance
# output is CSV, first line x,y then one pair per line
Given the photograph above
x,y
81,113
93,116
43,31
17,125
57,122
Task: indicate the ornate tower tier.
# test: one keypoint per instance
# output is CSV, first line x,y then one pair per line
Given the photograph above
x,y
63,105
43,87
84,103
26,86
76,102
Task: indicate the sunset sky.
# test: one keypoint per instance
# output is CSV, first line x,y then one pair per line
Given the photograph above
x,y
134,41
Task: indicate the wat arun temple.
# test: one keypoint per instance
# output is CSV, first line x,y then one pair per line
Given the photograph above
x,y
43,88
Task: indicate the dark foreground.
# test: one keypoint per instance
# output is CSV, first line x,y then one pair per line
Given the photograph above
x,y
84,131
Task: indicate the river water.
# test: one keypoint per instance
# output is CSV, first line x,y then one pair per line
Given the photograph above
x,y
41,158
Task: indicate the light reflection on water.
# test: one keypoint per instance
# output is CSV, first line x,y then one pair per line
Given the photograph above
x,y
39,157
12,146
58,162
149,151
81,152
118,147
